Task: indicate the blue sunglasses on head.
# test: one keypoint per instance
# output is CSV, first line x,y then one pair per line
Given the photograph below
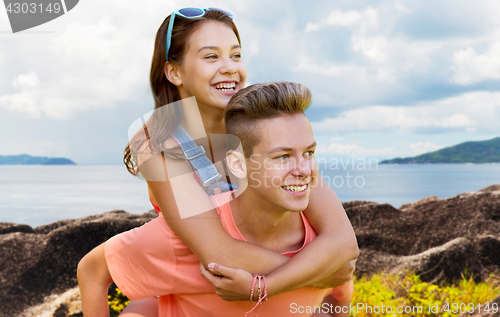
x,y
188,13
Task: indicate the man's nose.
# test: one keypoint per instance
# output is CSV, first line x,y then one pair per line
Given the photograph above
x,y
302,167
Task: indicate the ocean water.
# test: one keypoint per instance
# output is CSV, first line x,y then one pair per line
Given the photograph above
x,y
402,184
38,195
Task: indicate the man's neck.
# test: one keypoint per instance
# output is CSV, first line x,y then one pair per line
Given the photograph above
x,y
260,223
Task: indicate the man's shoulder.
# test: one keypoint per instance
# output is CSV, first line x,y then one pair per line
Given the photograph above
x,y
221,201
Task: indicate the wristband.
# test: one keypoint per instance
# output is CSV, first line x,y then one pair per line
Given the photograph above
x,y
262,296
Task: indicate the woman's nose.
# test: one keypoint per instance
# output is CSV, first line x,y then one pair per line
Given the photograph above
x,y
228,66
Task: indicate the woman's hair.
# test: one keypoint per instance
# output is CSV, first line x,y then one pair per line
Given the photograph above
x,y
262,101
164,121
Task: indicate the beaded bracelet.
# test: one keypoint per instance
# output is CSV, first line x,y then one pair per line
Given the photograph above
x,y
262,296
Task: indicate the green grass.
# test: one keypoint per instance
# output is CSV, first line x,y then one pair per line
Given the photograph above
x,y
416,298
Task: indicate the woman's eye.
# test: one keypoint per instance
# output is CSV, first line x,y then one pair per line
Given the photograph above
x,y
237,55
211,56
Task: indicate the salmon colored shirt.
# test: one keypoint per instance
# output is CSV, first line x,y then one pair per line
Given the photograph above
x,y
151,260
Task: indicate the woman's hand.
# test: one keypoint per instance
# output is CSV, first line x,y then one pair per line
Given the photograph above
x,y
229,283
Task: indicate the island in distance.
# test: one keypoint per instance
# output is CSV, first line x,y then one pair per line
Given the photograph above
x,y
468,152
25,159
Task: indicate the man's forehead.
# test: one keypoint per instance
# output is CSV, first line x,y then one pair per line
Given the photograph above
x,y
286,132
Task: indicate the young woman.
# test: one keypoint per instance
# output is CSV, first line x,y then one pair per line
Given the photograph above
x,y
198,53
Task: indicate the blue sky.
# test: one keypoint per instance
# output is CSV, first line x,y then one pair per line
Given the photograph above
x,y
389,78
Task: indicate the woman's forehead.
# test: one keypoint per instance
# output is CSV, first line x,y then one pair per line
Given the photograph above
x,y
212,34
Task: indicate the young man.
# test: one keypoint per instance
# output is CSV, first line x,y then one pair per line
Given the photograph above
x,y
276,169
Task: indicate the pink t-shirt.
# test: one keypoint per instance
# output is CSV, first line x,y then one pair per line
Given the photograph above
x,y
151,260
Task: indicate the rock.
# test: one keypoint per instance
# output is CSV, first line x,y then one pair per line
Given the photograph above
x,y
437,238
38,263
418,202
491,188
447,262
424,225
65,305
7,227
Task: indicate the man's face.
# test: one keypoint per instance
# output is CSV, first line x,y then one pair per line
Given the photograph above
x,y
282,168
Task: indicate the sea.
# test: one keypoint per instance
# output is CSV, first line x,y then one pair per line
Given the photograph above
x,y
37,194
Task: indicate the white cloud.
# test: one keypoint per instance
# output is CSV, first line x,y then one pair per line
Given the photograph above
x,y
368,18
357,150
348,54
28,80
337,138
376,60
311,27
96,65
401,6
424,147
327,69
469,67
344,19
475,111
23,102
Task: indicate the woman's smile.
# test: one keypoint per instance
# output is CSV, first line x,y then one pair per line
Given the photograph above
x,y
227,87
212,69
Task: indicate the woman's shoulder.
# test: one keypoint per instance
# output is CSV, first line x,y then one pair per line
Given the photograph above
x,y
153,163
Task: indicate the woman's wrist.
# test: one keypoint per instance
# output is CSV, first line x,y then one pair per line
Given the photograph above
x,y
259,290
272,286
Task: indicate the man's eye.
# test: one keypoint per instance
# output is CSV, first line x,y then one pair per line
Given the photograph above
x,y
284,156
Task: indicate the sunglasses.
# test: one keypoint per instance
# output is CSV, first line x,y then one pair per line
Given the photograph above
x,y
188,13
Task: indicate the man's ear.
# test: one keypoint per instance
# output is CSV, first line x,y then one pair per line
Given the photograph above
x,y
172,73
235,161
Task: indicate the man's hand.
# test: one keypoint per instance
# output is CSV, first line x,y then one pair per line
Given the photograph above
x,y
339,277
229,283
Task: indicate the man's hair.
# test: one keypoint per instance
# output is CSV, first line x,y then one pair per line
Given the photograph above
x,y
262,101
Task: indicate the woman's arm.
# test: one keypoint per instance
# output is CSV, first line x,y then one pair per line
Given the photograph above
x,y
177,194
203,233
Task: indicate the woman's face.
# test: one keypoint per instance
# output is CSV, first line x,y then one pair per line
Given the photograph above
x,y
212,69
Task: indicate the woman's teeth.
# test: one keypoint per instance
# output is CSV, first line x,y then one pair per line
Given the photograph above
x,y
295,188
225,86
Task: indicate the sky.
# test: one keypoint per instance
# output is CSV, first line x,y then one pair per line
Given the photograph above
x,y
389,78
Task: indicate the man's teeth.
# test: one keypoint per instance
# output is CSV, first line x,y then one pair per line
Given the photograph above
x,y
225,86
295,188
